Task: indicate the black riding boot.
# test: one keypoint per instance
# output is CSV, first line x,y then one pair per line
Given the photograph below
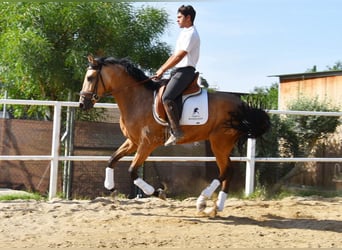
x,y
173,117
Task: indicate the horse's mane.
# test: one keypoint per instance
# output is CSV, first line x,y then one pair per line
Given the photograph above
x,y
130,68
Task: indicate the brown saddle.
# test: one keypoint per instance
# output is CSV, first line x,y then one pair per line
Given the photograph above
x,y
192,89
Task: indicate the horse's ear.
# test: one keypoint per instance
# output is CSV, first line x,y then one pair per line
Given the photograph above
x,y
91,59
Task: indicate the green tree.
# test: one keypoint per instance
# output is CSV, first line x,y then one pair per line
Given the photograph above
x,y
312,70
305,133
336,66
289,136
204,82
44,45
310,129
267,98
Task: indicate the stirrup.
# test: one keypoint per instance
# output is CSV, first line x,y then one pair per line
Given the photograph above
x,y
171,141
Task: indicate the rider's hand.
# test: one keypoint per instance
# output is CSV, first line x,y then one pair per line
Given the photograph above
x,y
159,73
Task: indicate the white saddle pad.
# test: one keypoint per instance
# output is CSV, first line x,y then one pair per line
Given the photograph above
x,y
195,109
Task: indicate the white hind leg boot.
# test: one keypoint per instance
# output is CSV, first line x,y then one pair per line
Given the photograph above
x,y
206,194
221,200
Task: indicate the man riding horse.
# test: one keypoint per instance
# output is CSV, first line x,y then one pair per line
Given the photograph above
x,y
184,59
230,121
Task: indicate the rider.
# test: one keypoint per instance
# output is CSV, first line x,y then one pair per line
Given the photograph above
x,y
184,59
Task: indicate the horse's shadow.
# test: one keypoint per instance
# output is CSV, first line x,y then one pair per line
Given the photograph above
x,y
285,223
270,221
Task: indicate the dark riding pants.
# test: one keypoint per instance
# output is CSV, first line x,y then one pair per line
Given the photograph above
x,y
180,80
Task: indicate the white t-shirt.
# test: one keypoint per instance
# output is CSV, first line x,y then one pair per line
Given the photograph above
x,y
189,41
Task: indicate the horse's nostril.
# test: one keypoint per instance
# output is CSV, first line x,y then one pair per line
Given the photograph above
x,y
81,105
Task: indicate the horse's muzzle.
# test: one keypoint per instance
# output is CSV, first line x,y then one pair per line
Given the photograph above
x,y
86,102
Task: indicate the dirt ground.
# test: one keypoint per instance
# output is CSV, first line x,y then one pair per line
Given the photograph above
x,y
297,222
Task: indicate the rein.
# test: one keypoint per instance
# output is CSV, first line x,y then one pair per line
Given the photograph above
x,y
129,86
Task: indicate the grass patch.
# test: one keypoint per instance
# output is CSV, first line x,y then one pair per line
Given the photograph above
x,y
28,196
305,192
262,193
302,192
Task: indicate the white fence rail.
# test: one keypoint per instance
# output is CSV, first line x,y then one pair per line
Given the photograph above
x,y
54,158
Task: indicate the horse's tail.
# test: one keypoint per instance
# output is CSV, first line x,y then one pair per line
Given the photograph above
x,y
251,121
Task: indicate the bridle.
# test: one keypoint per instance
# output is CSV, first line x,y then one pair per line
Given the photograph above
x,y
93,96
89,98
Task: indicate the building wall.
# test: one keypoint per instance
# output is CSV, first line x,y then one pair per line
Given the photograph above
x,y
325,89
25,137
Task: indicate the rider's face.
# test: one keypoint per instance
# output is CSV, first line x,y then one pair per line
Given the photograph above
x,y
183,21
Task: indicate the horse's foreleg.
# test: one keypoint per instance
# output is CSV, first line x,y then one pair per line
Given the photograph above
x,y
126,148
142,153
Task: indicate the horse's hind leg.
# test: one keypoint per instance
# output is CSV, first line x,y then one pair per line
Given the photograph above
x,y
201,202
222,196
221,147
126,148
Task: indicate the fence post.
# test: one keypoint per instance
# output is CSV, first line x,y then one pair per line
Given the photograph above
x,y
250,166
55,150
4,111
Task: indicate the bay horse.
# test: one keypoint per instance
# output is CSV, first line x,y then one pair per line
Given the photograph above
x,y
230,121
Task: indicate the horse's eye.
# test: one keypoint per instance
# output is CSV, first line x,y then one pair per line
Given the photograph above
x,y
90,78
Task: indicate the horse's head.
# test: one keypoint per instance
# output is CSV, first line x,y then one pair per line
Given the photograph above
x,y
107,75
93,86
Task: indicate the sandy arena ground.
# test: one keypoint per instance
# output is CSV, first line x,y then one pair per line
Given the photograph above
x,y
150,222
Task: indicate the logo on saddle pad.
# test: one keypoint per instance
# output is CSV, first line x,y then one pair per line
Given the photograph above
x,y
196,112
195,109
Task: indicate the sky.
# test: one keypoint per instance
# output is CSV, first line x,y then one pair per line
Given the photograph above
x,y
244,42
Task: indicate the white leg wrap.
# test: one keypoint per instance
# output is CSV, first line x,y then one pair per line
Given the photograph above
x,y
201,203
109,181
145,187
221,200
208,191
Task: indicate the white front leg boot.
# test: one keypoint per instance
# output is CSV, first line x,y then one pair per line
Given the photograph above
x,y
144,186
109,180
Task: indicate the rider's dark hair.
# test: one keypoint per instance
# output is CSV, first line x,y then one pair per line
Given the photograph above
x,y
188,10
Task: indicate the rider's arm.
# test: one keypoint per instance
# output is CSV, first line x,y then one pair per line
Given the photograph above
x,y
171,62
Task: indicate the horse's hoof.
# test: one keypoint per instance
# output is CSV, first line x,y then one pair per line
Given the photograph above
x,y
113,193
201,203
211,212
161,194
201,207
